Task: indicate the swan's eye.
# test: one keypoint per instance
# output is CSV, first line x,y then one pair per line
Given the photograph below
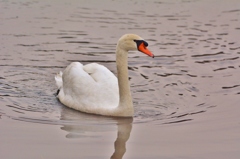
x,y
139,42
145,43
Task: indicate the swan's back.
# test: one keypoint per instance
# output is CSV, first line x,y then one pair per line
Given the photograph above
x,y
88,87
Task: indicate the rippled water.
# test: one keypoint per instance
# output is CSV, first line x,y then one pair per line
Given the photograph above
x,y
196,44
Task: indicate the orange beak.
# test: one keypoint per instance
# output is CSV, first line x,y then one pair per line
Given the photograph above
x,y
144,50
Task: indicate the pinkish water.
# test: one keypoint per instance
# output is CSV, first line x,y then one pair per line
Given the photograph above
x,y
186,99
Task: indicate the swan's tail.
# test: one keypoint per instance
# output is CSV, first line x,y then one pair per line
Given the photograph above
x,y
58,79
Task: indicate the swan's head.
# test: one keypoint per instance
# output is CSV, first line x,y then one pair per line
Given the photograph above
x,y
134,42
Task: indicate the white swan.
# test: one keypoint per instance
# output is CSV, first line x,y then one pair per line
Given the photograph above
x,y
93,88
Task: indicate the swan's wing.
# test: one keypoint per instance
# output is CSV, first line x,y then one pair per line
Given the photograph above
x,y
76,80
100,73
92,85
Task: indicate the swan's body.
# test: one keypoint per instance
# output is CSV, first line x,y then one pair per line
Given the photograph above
x,y
92,88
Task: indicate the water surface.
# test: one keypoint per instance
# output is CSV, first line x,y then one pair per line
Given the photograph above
x,y
186,99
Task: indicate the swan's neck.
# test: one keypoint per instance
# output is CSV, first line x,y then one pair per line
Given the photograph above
x,y
125,102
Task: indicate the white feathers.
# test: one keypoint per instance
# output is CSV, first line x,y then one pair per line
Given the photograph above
x,y
58,79
93,88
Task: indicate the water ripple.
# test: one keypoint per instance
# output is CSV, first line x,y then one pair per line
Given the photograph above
x,y
197,58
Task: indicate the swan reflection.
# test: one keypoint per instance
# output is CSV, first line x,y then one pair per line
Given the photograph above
x,y
124,129
80,125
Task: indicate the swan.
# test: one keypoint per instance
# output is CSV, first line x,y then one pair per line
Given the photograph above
x,y
94,89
